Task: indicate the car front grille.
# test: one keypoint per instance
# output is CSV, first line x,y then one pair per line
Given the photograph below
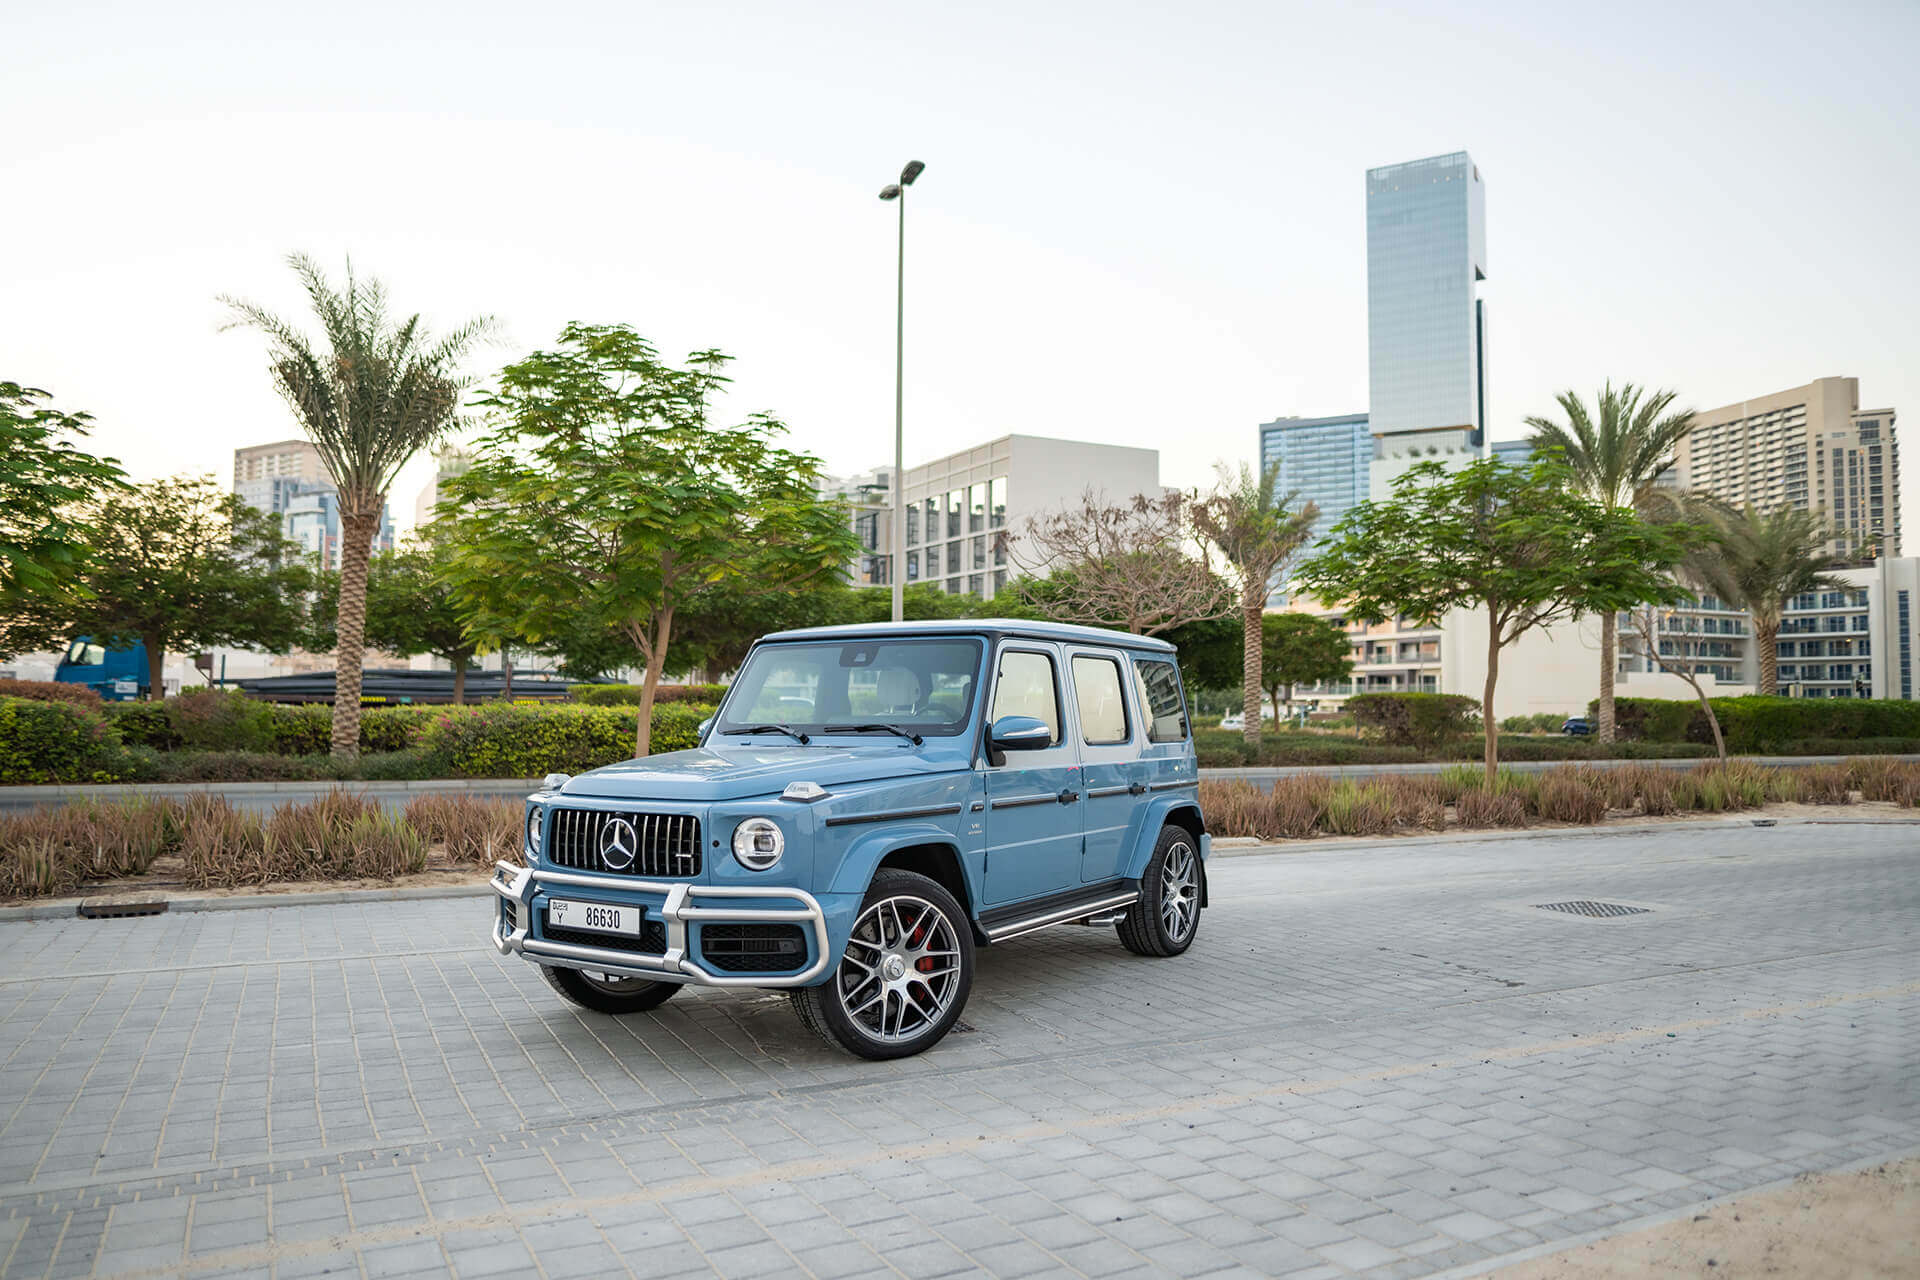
x,y
652,940
664,844
754,948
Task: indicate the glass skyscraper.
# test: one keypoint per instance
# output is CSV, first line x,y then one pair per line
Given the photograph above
x,y
1324,460
1426,325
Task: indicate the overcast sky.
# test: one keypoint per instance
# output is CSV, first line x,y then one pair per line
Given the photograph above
x,y
1139,223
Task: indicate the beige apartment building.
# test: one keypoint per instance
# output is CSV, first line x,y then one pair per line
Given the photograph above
x,y
267,476
1809,447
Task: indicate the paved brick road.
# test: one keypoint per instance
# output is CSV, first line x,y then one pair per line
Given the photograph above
x,y
1373,1060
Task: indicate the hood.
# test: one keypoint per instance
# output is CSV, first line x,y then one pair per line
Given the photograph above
x,y
737,772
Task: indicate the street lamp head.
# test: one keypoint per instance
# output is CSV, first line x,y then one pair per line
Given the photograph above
x,y
890,192
912,171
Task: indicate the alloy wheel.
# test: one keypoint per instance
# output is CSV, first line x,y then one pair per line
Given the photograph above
x,y
1179,891
900,972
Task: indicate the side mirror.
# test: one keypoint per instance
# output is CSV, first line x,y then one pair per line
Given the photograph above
x,y
704,726
1019,733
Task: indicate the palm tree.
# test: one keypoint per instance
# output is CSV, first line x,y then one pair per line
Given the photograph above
x,y
380,392
1254,529
1616,456
1759,562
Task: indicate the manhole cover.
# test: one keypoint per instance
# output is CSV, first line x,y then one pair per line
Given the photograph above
x,y
1587,907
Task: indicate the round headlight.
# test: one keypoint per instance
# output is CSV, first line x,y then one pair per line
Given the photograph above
x,y
535,817
758,844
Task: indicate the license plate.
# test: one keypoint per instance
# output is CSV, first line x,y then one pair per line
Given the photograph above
x,y
596,917
125,686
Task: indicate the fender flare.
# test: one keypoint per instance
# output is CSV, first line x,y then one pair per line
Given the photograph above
x,y
1159,814
863,857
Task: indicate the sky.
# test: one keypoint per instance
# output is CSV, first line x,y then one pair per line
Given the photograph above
x,y
1140,224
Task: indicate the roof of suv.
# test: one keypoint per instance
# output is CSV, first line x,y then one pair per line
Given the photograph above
x,y
1058,631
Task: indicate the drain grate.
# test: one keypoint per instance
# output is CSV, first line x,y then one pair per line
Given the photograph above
x,y
1588,907
93,910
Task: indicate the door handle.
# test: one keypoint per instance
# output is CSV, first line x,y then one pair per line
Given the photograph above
x,y
1136,788
1068,795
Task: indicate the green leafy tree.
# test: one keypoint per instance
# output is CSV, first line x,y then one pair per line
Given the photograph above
x,y
181,564
1759,561
1256,529
1616,455
380,390
46,483
606,501
1517,544
1299,648
410,608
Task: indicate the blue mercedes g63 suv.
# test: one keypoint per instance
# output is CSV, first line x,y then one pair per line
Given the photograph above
x,y
868,806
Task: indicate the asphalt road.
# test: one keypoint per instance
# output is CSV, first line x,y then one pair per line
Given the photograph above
x,y
263,797
1387,1060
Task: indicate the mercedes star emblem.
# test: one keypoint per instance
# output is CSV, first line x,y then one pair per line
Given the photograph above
x,y
618,844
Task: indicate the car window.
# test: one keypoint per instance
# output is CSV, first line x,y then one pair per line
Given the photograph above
x,y
1159,684
925,685
1026,687
1096,692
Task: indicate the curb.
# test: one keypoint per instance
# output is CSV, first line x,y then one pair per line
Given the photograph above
x,y
69,908
1248,846
1555,1247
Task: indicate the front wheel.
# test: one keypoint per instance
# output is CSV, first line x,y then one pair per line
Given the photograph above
x,y
1163,920
904,976
607,992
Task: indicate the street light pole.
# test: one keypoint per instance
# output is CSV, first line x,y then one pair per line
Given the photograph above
x,y
897,565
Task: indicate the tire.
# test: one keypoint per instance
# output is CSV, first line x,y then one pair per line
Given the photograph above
x,y
606,993
1165,918
913,923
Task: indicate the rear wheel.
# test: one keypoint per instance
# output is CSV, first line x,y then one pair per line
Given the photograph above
x,y
608,992
1163,920
904,975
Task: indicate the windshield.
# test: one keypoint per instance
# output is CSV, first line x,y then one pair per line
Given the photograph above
x,y
924,686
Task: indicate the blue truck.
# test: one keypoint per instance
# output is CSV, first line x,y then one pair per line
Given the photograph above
x,y
117,675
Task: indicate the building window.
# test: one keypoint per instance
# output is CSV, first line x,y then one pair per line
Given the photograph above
x,y
976,584
953,557
977,508
980,553
997,502
913,566
955,508
913,525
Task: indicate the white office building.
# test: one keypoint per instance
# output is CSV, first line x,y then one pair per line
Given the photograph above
x,y
962,509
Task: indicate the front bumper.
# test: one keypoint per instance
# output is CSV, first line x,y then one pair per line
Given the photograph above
x,y
517,883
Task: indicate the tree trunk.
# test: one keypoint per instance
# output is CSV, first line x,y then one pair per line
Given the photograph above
x,y
1487,723
1764,633
460,681
1253,601
156,662
1609,644
356,545
1276,706
506,672
650,683
1713,721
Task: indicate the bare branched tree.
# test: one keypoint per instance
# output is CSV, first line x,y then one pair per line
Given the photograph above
x,y
1125,565
1643,637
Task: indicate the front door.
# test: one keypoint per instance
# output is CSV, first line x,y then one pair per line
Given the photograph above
x,y
1033,799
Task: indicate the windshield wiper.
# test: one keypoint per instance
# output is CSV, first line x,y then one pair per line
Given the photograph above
x,y
894,729
801,738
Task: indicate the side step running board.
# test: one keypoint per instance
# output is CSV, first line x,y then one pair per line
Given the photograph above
x,y
1093,911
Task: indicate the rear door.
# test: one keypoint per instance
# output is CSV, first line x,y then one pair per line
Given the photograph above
x,y
1033,798
1114,775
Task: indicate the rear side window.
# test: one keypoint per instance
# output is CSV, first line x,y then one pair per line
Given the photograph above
x,y
1026,687
1096,691
1166,710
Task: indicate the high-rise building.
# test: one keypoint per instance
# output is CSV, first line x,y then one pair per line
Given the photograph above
x,y
1808,447
448,461
1324,461
268,476
1426,325
289,479
1514,453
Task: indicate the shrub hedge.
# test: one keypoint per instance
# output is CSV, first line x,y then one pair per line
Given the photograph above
x,y
50,691
56,742
628,695
1415,719
501,741
1755,724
